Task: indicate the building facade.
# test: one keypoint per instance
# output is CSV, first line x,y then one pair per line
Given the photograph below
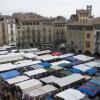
x,y
3,30
11,30
34,30
82,14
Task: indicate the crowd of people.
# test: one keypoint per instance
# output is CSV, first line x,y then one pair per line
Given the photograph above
x,y
9,92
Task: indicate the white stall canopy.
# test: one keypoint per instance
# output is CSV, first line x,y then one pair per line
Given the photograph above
x,y
60,62
47,57
7,66
83,57
82,67
17,79
25,63
62,82
42,90
11,57
66,55
29,55
71,94
35,72
29,85
93,63
42,52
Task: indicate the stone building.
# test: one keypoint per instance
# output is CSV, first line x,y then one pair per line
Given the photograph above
x,y
82,14
34,30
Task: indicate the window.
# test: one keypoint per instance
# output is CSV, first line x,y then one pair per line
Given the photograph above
x,y
87,44
12,39
98,34
97,27
11,32
11,25
88,35
1,19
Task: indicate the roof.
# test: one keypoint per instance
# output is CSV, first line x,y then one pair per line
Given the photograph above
x,y
82,67
77,23
47,57
42,52
93,63
66,72
96,80
45,64
7,66
17,79
49,79
29,50
83,57
42,90
68,80
95,20
11,57
29,55
56,67
3,52
66,55
89,90
63,81
60,62
56,53
35,72
9,74
29,85
71,94
25,63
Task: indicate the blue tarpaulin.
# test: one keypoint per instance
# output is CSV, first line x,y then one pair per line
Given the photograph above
x,y
45,64
50,98
71,59
9,74
89,90
91,71
75,63
74,70
63,65
95,82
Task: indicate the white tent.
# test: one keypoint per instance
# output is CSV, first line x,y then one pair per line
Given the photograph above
x,y
17,79
47,57
71,94
83,57
42,90
29,85
66,55
62,82
3,52
93,63
35,72
29,55
11,57
82,67
25,63
49,79
56,67
42,52
7,66
60,62
29,50
68,80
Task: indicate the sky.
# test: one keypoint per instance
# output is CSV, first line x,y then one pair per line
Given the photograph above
x,y
48,8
